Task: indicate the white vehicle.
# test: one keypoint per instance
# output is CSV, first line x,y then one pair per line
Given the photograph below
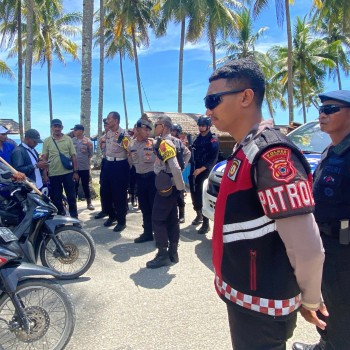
x,y
308,137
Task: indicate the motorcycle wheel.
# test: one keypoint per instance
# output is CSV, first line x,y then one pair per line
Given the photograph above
x,y
50,310
81,249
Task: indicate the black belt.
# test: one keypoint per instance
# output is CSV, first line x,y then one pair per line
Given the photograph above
x,y
150,173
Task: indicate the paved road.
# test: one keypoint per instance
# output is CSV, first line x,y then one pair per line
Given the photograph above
x,y
121,305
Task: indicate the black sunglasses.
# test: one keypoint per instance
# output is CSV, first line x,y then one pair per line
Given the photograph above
x,y
213,100
330,109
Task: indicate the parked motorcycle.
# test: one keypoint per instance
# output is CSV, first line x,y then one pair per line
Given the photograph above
x,y
35,313
59,241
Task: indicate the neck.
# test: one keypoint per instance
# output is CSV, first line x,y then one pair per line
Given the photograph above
x,y
240,131
80,137
57,136
114,128
205,133
339,136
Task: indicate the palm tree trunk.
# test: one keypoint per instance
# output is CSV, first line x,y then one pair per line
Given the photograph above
x,y
101,81
49,89
28,65
181,63
303,101
212,49
290,64
137,68
123,90
86,65
338,76
20,68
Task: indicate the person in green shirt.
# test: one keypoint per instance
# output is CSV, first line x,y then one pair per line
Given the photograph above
x,y
57,175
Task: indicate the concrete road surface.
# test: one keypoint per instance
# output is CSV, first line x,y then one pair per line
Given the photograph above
x,y
121,305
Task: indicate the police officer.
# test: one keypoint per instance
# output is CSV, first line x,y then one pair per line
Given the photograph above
x,y
142,156
205,149
102,144
115,175
332,213
84,149
169,183
184,155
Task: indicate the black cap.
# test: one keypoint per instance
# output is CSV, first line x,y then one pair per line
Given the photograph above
x,y
56,122
33,134
78,127
141,122
163,184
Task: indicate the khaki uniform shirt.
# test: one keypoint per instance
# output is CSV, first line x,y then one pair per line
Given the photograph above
x,y
141,155
115,149
84,149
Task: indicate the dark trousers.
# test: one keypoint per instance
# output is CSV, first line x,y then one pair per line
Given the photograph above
x,y
197,189
102,191
132,181
84,177
165,219
259,332
114,187
336,294
181,200
146,192
57,184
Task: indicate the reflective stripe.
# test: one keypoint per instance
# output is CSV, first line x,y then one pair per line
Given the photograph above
x,y
112,159
248,229
266,306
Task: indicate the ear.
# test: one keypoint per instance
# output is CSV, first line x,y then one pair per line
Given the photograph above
x,y
247,97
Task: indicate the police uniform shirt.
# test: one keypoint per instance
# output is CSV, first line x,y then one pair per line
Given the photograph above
x,y
116,148
142,155
170,164
84,151
102,143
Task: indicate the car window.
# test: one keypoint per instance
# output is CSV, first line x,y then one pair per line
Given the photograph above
x,y
310,138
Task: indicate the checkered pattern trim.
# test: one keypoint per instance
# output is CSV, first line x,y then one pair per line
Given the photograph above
x,y
266,306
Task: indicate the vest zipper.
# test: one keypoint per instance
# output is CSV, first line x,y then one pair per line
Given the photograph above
x,y
253,270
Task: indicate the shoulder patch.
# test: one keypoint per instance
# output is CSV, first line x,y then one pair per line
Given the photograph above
x,y
233,171
279,160
125,142
166,151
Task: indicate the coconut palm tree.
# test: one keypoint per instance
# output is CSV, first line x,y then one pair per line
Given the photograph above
x,y
242,40
86,65
101,34
133,17
5,70
180,12
51,39
282,9
311,58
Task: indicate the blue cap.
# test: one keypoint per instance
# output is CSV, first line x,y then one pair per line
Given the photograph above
x,y
338,95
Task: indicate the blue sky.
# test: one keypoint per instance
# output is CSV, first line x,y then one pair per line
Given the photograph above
x,y
159,75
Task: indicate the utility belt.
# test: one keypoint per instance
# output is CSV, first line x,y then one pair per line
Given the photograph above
x,y
145,175
337,229
115,159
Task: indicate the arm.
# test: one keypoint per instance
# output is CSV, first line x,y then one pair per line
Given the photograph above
x,y
18,162
177,174
213,155
187,154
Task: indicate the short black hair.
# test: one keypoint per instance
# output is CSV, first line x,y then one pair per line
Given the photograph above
x,y
243,73
115,115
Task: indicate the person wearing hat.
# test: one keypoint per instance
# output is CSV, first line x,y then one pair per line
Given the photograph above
x,y
84,149
59,175
26,159
331,191
141,155
169,183
6,147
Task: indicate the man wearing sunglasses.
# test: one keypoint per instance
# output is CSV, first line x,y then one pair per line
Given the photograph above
x,y
267,251
332,213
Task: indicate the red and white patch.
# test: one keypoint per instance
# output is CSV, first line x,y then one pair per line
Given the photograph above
x,y
279,160
233,171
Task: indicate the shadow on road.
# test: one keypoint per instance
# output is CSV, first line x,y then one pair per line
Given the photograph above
x,y
123,252
152,278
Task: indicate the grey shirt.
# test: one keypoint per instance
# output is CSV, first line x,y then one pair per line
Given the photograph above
x,y
141,155
114,148
171,165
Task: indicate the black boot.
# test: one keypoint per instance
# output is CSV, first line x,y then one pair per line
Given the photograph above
x,y
173,254
181,215
144,237
134,201
301,346
205,226
161,259
198,219
89,205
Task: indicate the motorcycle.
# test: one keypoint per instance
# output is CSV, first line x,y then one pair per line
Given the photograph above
x,y
35,313
59,241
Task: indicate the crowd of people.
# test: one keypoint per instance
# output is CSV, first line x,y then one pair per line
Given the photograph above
x,y
281,237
